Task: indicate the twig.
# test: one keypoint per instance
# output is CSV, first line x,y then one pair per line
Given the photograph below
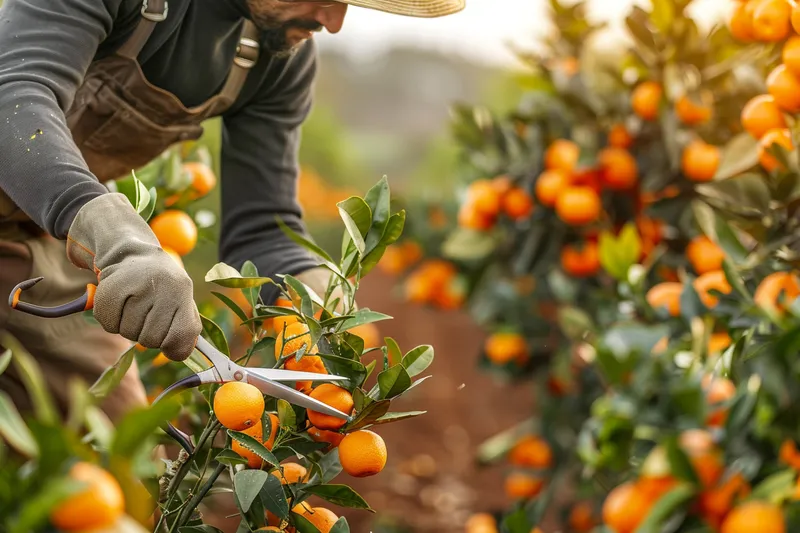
x,y
197,498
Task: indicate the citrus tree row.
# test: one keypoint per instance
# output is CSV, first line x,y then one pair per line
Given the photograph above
x,y
628,238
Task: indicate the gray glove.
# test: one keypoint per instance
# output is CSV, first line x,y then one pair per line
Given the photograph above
x,y
142,293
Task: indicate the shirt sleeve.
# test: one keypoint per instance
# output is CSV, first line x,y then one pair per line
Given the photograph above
x,y
260,173
46,47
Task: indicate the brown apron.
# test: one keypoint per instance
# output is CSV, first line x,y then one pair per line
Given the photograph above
x,y
120,122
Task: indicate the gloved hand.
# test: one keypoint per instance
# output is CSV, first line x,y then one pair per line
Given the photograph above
x,y
142,293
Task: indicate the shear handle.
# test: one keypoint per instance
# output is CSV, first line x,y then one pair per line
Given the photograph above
x,y
188,382
83,303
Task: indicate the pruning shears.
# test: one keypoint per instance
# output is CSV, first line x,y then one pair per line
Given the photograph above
x,y
223,370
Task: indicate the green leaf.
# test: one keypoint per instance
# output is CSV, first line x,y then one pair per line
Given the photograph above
x,y
303,241
34,513
370,368
5,359
469,245
13,428
255,446
215,335
393,381
574,322
329,465
357,218
134,430
233,306
305,293
779,483
230,458
286,414
746,194
416,361
227,276
340,526
135,191
274,498
377,199
739,155
679,462
205,528
665,507
394,229
249,270
388,418
176,178
112,376
341,495
354,370
618,254
150,208
370,414
303,525
247,486
395,355
361,317
31,376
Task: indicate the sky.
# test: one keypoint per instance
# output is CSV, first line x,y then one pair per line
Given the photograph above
x,y
481,31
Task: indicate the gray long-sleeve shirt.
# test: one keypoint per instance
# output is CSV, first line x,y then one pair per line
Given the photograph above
x,y
46,46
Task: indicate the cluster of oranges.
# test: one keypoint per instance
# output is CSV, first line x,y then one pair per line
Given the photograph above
x,y
531,456
717,504
772,21
175,230
436,282
488,199
504,347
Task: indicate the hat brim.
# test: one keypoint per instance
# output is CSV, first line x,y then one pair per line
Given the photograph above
x,y
412,8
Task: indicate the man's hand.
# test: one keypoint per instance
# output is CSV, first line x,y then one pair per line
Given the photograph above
x,y
142,293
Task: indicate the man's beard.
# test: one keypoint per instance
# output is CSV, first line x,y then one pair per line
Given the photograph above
x,y
274,30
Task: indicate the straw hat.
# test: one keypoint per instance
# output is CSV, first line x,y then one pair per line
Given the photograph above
x,y
412,8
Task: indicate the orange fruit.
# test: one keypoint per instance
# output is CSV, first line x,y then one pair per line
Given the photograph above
x,y
755,516
531,452
700,161
625,508
773,288
762,114
501,348
620,171
704,254
711,280
796,17
666,294
203,178
485,197
517,204
290,473
718,390
292,339
450,296
160,360
257,432
419,289
654,487
791,55
563,155
772,20
336,397
715,504
578,206
581,518
549,185
392,261
619,137
581,262
523,486
176,230
238,406
280,322
469,217
789,454
322,435
718,342
646,99
780,137
362,453
706,458
481,523
783,85
322,518
692,110
741,21
97,505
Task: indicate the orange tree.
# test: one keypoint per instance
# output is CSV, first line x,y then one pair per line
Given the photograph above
x,y
629,237
83,474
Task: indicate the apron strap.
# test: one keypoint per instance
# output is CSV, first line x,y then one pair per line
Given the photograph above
x,y
246,57
153,12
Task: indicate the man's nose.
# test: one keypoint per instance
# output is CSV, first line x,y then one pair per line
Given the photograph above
x,y
332,17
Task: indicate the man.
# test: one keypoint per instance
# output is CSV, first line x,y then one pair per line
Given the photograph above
x,y
90,89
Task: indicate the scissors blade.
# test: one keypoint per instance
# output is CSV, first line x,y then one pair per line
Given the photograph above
x,y
281,391
277,374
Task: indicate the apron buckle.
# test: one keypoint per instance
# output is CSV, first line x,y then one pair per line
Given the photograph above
x,y
246,53
155,17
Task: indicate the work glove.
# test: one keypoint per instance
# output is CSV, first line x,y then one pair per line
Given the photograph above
x,y
142,293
